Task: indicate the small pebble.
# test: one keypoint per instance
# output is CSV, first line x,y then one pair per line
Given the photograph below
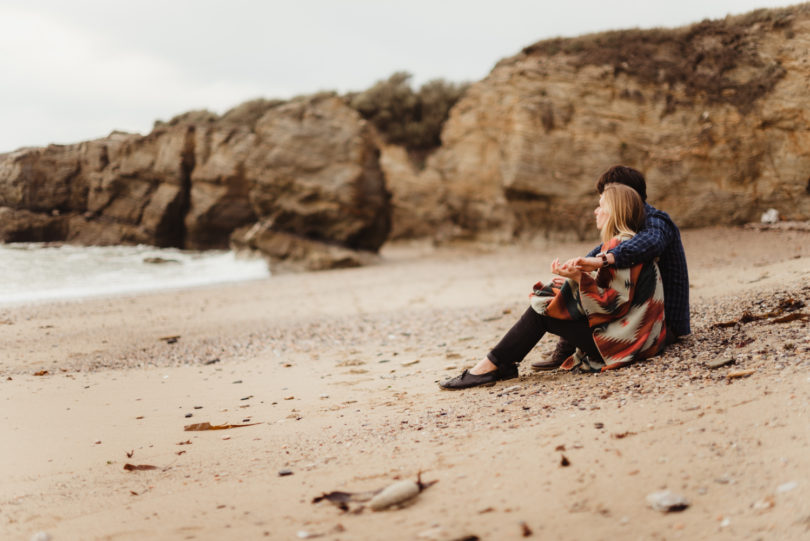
x,y
667,501
720,361
786,487
189,415
285,472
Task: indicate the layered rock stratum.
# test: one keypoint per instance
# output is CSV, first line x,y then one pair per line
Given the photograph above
x,y
715,114
305,171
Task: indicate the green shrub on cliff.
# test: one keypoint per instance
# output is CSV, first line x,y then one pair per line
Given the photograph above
x,y
404,116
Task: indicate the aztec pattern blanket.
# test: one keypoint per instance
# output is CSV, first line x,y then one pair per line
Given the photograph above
x,y
624,309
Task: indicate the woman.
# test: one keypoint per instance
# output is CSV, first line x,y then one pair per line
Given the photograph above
x,y
613,318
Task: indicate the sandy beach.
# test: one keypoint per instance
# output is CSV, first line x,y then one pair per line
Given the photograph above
x,y
336,373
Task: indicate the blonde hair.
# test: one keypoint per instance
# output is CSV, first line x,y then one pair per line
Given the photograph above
x,y
626,211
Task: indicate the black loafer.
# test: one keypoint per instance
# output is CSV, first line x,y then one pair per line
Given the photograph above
x,y
467,380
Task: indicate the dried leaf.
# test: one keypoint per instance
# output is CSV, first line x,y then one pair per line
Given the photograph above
x,y
139,467
178,453
170,339
785,305
744,342
129,454
187,442
564,462
724,324
133,492
41,373
739,374
621,435
208,426
343,499
525,530
792,317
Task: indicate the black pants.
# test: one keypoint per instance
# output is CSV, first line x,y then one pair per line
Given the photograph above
x,y
530,328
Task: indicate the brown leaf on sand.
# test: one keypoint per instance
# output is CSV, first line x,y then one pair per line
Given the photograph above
x,y
208,426
41,373
785,305
621,435
342,499
739,374
130,453
724,324
792,317
187,442
170,339
139,467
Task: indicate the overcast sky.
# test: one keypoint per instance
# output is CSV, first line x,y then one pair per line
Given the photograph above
x,y
72,70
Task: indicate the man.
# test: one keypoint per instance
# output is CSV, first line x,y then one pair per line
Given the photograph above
x,y
659,238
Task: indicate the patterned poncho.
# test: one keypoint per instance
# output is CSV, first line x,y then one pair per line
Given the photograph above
x,y
624,309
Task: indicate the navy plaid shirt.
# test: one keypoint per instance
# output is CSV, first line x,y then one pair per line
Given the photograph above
x,y
660,238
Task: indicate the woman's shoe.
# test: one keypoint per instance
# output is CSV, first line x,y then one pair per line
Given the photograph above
x,y
562,351
467,380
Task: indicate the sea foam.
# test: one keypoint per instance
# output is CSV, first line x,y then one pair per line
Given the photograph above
x,y
36,272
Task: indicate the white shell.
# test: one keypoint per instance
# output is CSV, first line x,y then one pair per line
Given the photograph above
x,y
666,501
399,492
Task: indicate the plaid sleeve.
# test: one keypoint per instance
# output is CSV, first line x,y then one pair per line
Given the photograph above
x,y
645,245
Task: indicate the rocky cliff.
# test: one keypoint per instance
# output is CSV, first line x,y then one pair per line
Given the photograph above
x,y
306,171
715,115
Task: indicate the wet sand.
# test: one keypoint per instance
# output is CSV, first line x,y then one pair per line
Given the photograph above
x,y
340,368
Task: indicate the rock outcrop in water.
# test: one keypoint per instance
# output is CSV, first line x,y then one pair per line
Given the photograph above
x,y
305,170
715,114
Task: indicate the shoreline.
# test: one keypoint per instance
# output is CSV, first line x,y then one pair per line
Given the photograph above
x,y
339,369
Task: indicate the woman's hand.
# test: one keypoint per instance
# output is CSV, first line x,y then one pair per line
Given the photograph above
x,y
567,269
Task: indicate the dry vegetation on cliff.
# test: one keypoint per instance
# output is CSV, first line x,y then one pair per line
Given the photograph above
x,y
717,60
408,117
403,115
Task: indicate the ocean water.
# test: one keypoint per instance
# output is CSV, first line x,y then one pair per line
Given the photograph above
x,y
36,272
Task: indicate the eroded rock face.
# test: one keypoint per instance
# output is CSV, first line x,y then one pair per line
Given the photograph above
x,y
308,168
715,115
317,175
